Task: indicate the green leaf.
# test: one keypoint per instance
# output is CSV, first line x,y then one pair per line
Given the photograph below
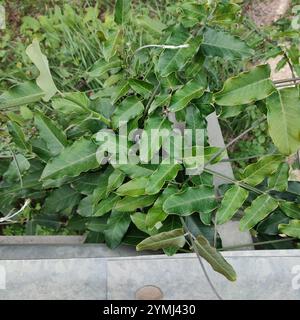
x,y
60,199
292,229
214,258
44,80
21,94
197,199
232,201
291,209
18,136
260,208
88,182
115,180
269,226
133,188
221,44
156,132
79,157
255,173
131,204
117,227
139,219
165,172
72,103
128,109
122,9
279,180
106,205
18,166
134,170
174,60
174,238
283,120
141,87
97,224
185,95
246,87
54,138
86,207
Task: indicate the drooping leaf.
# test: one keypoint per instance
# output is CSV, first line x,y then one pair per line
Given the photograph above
x,y
214,258
128,109
139,219
221,44
21,94
115,180
183,96
283,113
197,199
165,172
44,80
117,227
79,157
246,88
131,204
260,208
133,188
54,138
279,180
292,229
232,201
18,136
291,209
122,9
255,173
174,238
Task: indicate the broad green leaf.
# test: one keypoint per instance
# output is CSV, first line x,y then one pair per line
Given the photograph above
x,y
133,188
160,101
150,24
246,88
106,205
115,180
183,96
156,215
19,165
292,229
72,103
128,109
197,199
122,9
165,172
139,219
134,170
174,60
110,46
86,207
291,209
214,258
131,204
141,87
232,201
18,136
156,132
221,44
98,224
44,80
255,173
88,182
260,208
77,158
117,227
54,138
21,94
174,238
279,180
269,225
60,199
283,120
101,67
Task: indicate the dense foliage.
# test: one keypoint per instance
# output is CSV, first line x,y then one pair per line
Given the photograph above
x,y
205,56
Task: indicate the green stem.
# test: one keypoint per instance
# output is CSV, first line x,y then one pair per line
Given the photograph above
x,y
101,118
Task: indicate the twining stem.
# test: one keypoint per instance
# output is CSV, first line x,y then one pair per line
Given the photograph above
x,y
255,244
239,183
192,240
217,154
